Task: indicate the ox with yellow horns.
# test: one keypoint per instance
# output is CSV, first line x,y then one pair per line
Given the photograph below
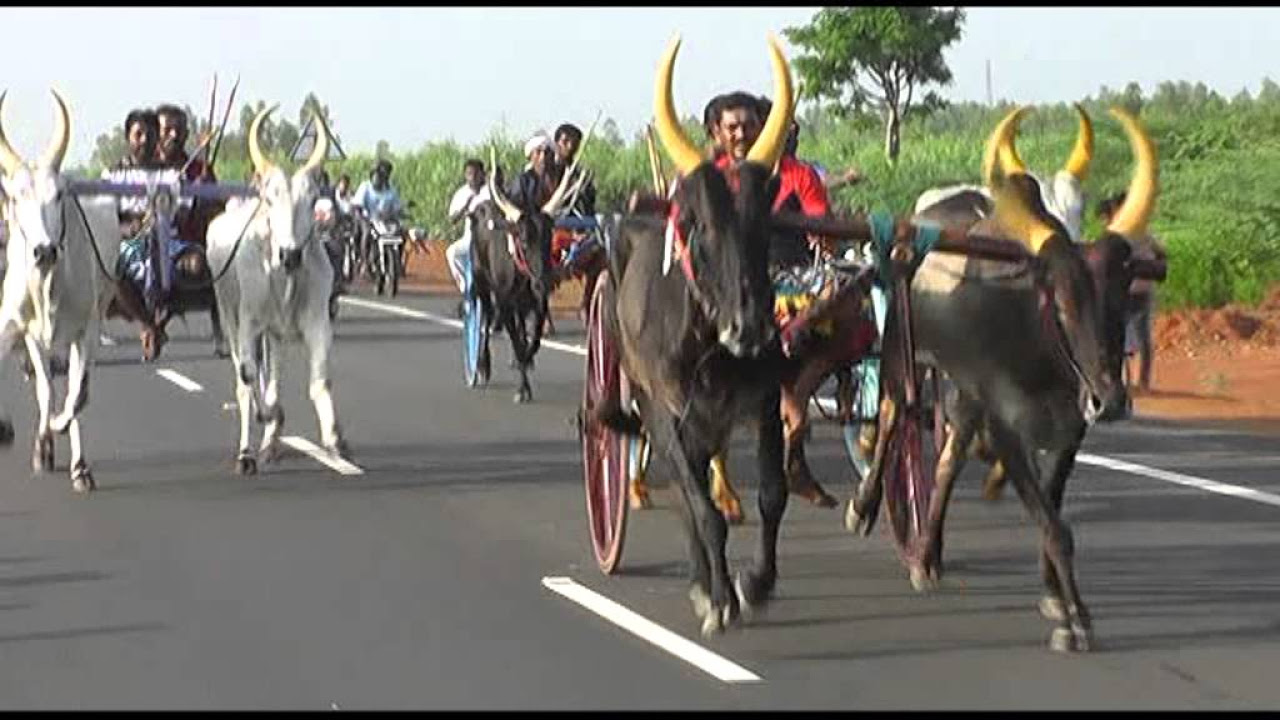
x,y
699,343
276,291
1032,353
53,286
1062,195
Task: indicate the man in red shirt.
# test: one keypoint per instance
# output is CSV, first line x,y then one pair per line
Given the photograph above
x,y
733,122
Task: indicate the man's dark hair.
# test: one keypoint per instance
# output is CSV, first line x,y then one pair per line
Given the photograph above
x,y
173,111
346,177
1107,207
143,116
570,130
473,163
383,165
720,104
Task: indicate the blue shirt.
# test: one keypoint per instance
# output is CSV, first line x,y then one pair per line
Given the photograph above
x,y
377,203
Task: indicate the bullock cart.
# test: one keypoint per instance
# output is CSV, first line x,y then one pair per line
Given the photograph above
x,y
611,461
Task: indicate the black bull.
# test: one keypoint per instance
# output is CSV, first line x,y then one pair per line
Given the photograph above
x,y
511,274
700,349
1039,391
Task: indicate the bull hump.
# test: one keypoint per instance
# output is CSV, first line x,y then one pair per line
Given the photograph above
x,y
942,272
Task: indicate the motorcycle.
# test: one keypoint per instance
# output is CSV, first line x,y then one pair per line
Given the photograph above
x,y
388,238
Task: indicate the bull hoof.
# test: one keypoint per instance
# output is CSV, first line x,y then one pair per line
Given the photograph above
x,y
639,497
814,493
753,593
246,465
1064,640
922,579
82,481
701,601
270,453
6,433
341,449
43,458
1051,609
221,351
731,509
854,521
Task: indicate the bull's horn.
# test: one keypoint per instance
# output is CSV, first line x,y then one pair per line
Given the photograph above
x,y
552,205
260,162
1000,137
9,160
1016,219
1010,161
1140,201
57,149
683,152
321,151
1082,154
767,148
509,211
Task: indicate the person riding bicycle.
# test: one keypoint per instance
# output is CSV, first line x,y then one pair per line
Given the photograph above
x,y
465,200
376,199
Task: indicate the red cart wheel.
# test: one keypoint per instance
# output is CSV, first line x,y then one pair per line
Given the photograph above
x,y
606,455
909,481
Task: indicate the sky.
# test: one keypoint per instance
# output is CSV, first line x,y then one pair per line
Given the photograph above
x,y
414,75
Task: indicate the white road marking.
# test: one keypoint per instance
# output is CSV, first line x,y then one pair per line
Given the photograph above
x,y
321,455
180,380
1179,479
692,653
440,319
400,310
829,404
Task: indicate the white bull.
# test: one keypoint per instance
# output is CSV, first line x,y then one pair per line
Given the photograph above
x,y
52,285
1063,195
277,290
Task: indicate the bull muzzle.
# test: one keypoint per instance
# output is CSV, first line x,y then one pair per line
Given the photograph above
x,y
45,256
291,259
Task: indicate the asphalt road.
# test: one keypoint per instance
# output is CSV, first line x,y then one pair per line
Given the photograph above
x,y
419,583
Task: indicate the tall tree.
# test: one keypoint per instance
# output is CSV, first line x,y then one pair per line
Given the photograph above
x,y
877,57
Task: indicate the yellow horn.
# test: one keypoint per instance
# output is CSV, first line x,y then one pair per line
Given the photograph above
x,y
260,162
767,148
321,151
1140,201
1016,219
1082,154
683,152
996,147
1010,161
9,160
57,150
